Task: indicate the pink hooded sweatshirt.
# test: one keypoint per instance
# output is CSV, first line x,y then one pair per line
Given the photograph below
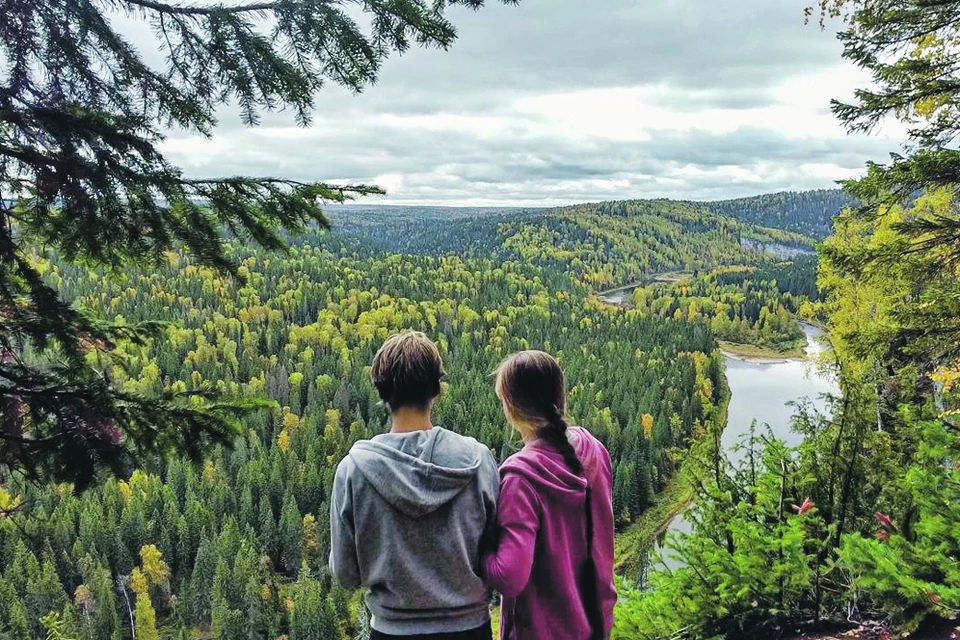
x,y
542,546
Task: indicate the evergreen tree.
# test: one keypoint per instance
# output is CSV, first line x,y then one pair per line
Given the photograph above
x,y
201,582
14,623
290,535
82,173
908,48
313,613
44,594
99,613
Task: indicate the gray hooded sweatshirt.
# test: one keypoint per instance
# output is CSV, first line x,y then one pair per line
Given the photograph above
x,y
408,515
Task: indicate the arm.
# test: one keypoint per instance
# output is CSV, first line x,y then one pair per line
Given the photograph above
x,y
507,569
343,546
490,491
606,587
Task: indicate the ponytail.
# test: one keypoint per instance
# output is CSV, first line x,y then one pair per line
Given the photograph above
x,y
532,385
555,433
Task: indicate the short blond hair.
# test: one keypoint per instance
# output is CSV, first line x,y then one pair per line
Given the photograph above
x,y
407,370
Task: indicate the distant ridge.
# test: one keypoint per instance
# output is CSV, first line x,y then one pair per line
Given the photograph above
x,y
808,213
805,212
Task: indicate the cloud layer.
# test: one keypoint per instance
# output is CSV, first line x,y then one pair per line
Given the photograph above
x,y
557,101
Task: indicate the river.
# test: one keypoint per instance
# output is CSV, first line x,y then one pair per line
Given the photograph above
x,y
762,391
621,295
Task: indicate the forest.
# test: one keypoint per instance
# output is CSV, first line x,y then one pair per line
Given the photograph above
x,y
238,544
854,531
183,360
808,213
744,305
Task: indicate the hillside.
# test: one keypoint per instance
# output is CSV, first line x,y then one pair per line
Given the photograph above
x,y
423,230
609,242
805,212
238,544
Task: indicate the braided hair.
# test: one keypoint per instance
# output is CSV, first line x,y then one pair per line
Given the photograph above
x,y
532,386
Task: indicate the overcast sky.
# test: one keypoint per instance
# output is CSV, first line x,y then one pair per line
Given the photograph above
x,y
561,101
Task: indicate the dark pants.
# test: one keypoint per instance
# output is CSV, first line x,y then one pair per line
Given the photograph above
x,y
480,633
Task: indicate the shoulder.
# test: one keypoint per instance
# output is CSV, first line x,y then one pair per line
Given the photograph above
x,y
582,433
522,462
347,467
587,440
469,448
592,453
453,439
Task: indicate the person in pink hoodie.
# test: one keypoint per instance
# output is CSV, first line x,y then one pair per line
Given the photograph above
x,y
553,562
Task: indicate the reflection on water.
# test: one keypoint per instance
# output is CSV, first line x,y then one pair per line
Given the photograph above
x,y
763,391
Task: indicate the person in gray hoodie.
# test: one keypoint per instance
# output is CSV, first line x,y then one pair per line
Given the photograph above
x,y
410,509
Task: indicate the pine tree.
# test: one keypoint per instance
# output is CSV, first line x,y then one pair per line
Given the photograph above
x,y
201,581
14,623
267,528
313,614
290,535
82,173
908,48
103,622
44,594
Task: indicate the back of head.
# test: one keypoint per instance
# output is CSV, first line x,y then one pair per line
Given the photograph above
x,y
407,370
532,387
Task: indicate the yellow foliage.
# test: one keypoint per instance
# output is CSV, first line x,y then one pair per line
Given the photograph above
x,y
332,418
146,618
283,441
138,582
927,106
291,421
83,600
154,568
949,377
8,501
647,423
209,471
64,490
311,544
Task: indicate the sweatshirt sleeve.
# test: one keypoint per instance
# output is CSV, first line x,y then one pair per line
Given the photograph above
x,y
343,546
507,569
490,491
607,587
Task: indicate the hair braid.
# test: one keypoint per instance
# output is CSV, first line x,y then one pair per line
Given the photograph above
x,y
555,433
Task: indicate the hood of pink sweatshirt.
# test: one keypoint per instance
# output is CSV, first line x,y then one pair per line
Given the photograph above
x,y
549,604
546,470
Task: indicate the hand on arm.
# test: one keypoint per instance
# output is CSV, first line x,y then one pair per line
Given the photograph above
x,y
507,569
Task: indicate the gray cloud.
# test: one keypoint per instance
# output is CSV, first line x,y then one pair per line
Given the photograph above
x,y
715,49
436,166
694,56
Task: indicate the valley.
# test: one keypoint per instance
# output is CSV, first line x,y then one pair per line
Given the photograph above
x,y
240,541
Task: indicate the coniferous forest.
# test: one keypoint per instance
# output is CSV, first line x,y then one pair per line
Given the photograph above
x,y
184,361
238,544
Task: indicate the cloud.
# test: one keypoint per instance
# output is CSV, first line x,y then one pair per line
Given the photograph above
x,y
556,101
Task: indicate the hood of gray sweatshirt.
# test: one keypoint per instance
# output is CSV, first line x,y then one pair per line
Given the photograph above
x,y
417,473
409,513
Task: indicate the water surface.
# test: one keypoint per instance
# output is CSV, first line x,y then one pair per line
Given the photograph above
x,y
763,391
